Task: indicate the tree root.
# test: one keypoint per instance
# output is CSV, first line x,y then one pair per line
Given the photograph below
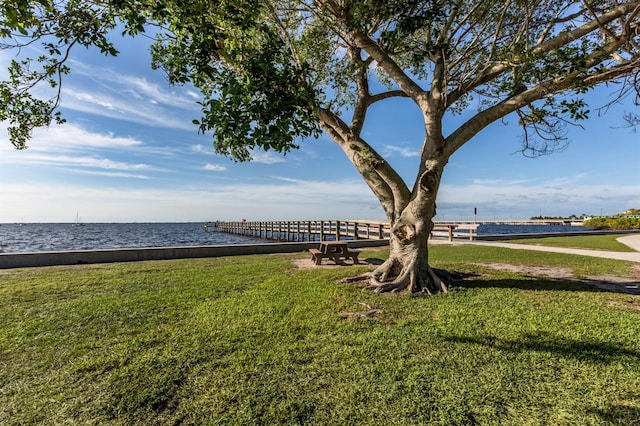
x,y
357,278
394,277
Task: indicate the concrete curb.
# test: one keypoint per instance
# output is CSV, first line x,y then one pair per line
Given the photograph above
x,y
79,257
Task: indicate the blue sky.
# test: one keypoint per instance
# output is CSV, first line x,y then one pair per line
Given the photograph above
x,y
130,153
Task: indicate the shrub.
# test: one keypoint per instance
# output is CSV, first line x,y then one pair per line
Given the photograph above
x,y
615,223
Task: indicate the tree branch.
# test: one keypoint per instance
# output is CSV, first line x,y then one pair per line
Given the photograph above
x,y
362,91
406,83
386,95
383,180
559,84
562,39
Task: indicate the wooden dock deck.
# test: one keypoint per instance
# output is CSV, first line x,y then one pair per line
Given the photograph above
x,y
304,230
322,230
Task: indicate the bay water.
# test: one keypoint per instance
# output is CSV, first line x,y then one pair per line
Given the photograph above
x,y
38,237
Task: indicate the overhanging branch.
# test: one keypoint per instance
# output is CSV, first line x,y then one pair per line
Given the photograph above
x,y
493,71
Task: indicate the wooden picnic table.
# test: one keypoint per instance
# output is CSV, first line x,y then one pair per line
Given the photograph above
x,y
335,250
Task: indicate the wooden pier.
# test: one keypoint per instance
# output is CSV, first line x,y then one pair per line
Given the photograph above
x,y
307,230
322,230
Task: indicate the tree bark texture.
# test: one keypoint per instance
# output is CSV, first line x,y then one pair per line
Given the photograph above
x,y
407,270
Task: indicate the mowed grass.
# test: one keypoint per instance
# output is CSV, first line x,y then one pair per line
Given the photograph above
x,y
589,242
254,341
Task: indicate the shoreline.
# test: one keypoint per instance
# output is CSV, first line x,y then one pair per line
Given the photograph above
x,y
84,257
94,256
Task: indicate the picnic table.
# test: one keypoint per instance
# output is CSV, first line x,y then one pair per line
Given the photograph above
x,y
335,250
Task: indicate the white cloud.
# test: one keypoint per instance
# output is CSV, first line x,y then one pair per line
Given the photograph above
x,y
267,157
214,167
110,93
139,111
402,151
141,88
68,137
523,199
68,146
137,87
193,94
72,136
80,161
202,149
90,98
113,94
500,182
283,197
267,201
110,174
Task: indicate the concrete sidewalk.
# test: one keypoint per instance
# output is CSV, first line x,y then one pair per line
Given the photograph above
x,y
632,241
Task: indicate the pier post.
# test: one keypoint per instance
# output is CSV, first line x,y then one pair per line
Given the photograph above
x,y
315,230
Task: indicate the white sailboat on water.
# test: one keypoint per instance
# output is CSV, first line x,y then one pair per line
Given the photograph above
x,y
78,221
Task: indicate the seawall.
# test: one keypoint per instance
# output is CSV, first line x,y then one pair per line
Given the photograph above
x,y
80,257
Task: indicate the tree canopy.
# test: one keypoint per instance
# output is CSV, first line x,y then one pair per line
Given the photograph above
x,y
274,72
267,69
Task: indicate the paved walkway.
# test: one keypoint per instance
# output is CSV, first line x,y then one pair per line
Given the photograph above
x,y
632,241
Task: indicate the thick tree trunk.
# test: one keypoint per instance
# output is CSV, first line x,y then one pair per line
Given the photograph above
x,y
410,213
407,270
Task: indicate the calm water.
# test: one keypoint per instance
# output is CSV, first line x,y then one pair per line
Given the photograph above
x,y
491,229
34,237
30,237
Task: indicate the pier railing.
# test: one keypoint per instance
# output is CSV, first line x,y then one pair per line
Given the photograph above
x,y
304,230
321,230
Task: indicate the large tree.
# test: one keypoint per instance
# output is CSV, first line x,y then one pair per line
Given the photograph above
x,y
274,72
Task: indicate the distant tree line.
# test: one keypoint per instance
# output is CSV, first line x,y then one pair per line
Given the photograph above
x,y
617,222
629,219
572,217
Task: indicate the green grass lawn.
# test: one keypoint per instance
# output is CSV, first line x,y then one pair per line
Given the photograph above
x,y
253,341
590,242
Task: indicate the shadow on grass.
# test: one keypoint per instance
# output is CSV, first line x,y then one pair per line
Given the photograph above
x,y
619,415
465,280
582,350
